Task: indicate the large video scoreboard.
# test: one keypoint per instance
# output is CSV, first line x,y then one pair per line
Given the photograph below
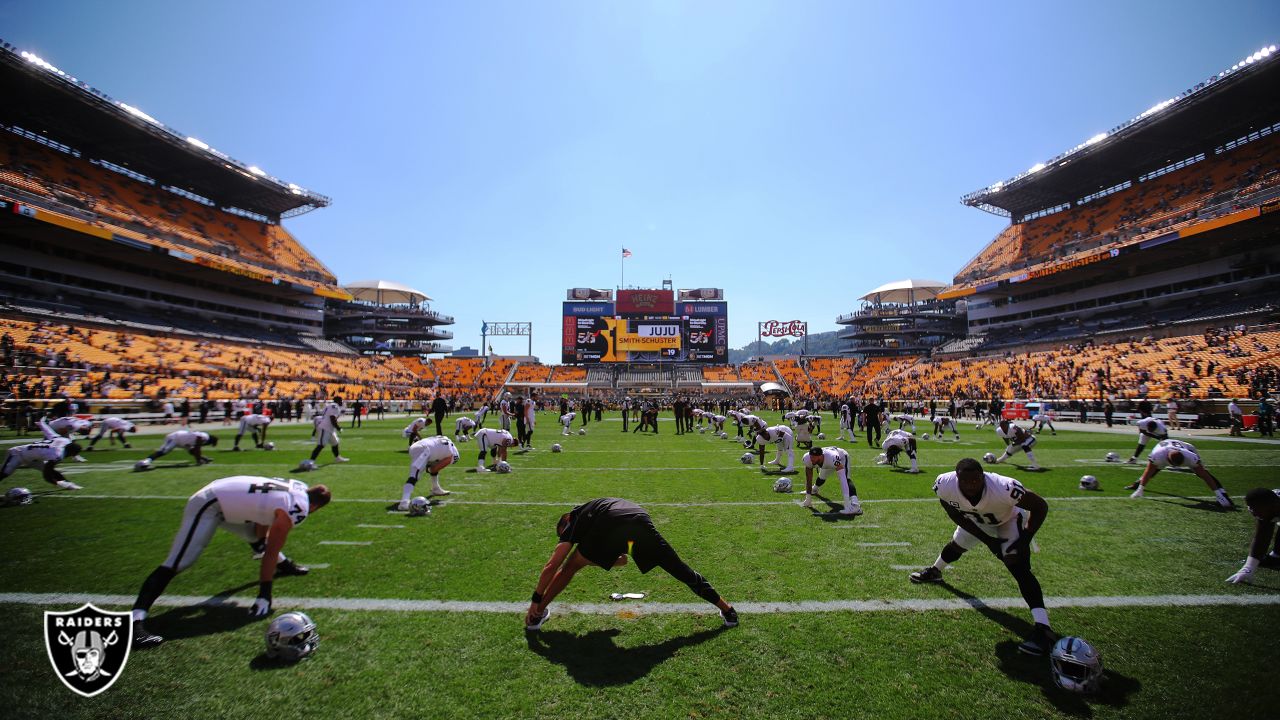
x,y
646,326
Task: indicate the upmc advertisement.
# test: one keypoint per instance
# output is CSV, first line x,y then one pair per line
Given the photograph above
x,y
590,335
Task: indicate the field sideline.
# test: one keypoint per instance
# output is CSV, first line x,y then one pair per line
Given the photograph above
x,y
421,617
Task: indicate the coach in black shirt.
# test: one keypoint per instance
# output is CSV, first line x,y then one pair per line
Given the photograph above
x,y
873,411
606,531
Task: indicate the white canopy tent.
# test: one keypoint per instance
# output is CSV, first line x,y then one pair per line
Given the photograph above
x,y
905,291
385,292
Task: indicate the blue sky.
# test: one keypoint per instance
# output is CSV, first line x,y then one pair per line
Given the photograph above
x,y
493,154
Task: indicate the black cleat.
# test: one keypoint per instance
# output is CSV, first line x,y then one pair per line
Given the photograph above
x,y
730,617
1132,486
930,574
144,639
1041,640
289,568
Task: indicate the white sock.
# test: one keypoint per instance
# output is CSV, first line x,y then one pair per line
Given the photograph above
x,y
1040,615
940,563
913,464
408,490
1032,457
139,615
854,501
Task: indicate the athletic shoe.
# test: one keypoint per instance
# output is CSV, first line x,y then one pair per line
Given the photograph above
x,y
930,574
1033,467
1131,461
1225,502
808,501
730,617
127,446
482,469
546,613
441,491
403,506
787,469
341,459
235,449
916,471
1133,486
1042,638
80,459
289,568
1137,494
68,485
144,639
852,511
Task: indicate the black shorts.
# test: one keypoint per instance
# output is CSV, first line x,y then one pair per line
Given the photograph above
x,y
636,536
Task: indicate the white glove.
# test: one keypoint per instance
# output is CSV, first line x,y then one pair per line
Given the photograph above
x,y
261,608
1243,576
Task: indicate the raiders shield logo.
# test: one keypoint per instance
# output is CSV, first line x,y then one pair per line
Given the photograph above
x,y
88,647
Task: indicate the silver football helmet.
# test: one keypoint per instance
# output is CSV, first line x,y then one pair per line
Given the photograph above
x,y
419,506
1076,664
747,458
503,466
556,448
989,458
782,485
1088,482
582,431
18,496
1112,457
291,637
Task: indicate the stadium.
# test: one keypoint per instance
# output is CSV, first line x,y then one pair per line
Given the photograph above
x,y
147,276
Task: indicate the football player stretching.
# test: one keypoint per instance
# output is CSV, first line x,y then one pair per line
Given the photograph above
x,y
1000,513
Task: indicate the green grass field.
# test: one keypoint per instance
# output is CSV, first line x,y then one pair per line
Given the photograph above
x,y
1142,579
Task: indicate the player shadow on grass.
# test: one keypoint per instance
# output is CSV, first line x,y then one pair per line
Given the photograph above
x,y
215,615
595,660
832,513
1192,503
1116,688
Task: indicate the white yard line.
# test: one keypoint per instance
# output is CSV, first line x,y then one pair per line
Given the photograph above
x,y
884,544
518,607
344,542
380,527
73,495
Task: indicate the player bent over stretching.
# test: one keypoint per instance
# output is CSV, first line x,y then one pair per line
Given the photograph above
x,y
1179,454
603,532
259,510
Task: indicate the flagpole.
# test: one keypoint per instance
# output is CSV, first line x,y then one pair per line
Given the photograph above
x,y
622,267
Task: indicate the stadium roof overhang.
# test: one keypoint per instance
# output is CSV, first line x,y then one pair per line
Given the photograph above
x,y
384,292
1216,112
47,102
905,291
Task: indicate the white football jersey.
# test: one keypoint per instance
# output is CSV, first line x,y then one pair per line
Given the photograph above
x,y
479,416
430,450
896,438
415,426
997,506
906,418
567,418
489,437
187,438
115,423
1042,418
332,410
463,423
251,420
1012,434
1153,426
775,434
833,458
1160,454
247,498
40,452
70,424
753,422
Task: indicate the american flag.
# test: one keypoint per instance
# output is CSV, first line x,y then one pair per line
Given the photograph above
x,y
626,253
